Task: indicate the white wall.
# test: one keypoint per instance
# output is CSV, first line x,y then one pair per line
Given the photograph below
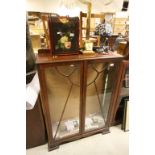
x,y
53,5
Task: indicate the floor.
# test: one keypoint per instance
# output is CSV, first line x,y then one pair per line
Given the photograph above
x,y
114,143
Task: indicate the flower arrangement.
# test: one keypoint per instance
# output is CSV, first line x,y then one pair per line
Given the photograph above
x,y
104,30
65,40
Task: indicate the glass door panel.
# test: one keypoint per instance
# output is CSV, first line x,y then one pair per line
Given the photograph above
x,y
100,78
63,89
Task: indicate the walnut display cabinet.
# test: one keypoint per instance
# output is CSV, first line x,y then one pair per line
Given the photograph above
x,y
78,94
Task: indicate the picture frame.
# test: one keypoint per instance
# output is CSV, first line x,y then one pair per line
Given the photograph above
x,y
89,46
64,35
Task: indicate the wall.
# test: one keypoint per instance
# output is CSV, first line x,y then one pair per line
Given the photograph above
x,y
53,5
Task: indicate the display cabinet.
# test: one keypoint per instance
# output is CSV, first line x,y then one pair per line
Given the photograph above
x,y
78,94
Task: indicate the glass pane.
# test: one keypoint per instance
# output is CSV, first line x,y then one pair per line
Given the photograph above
x,y
63,89
100,78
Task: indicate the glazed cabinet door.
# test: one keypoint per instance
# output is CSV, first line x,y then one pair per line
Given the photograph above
x,y
61,86
99,88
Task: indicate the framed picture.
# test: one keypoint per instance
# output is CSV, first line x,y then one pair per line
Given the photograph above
x,y
64,35
88,46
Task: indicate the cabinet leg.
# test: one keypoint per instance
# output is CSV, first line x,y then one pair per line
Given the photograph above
x,y
50,148
106,131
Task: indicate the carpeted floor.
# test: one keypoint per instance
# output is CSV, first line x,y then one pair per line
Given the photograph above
x,y
114,143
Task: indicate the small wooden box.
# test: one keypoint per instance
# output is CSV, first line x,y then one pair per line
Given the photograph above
x,y
64,35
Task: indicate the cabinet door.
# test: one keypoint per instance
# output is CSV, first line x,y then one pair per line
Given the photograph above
x,y
63,93
99,87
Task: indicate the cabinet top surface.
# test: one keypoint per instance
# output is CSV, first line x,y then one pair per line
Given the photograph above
x,y
48,58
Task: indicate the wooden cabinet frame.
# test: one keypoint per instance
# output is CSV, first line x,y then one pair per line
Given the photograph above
x,y
124,65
